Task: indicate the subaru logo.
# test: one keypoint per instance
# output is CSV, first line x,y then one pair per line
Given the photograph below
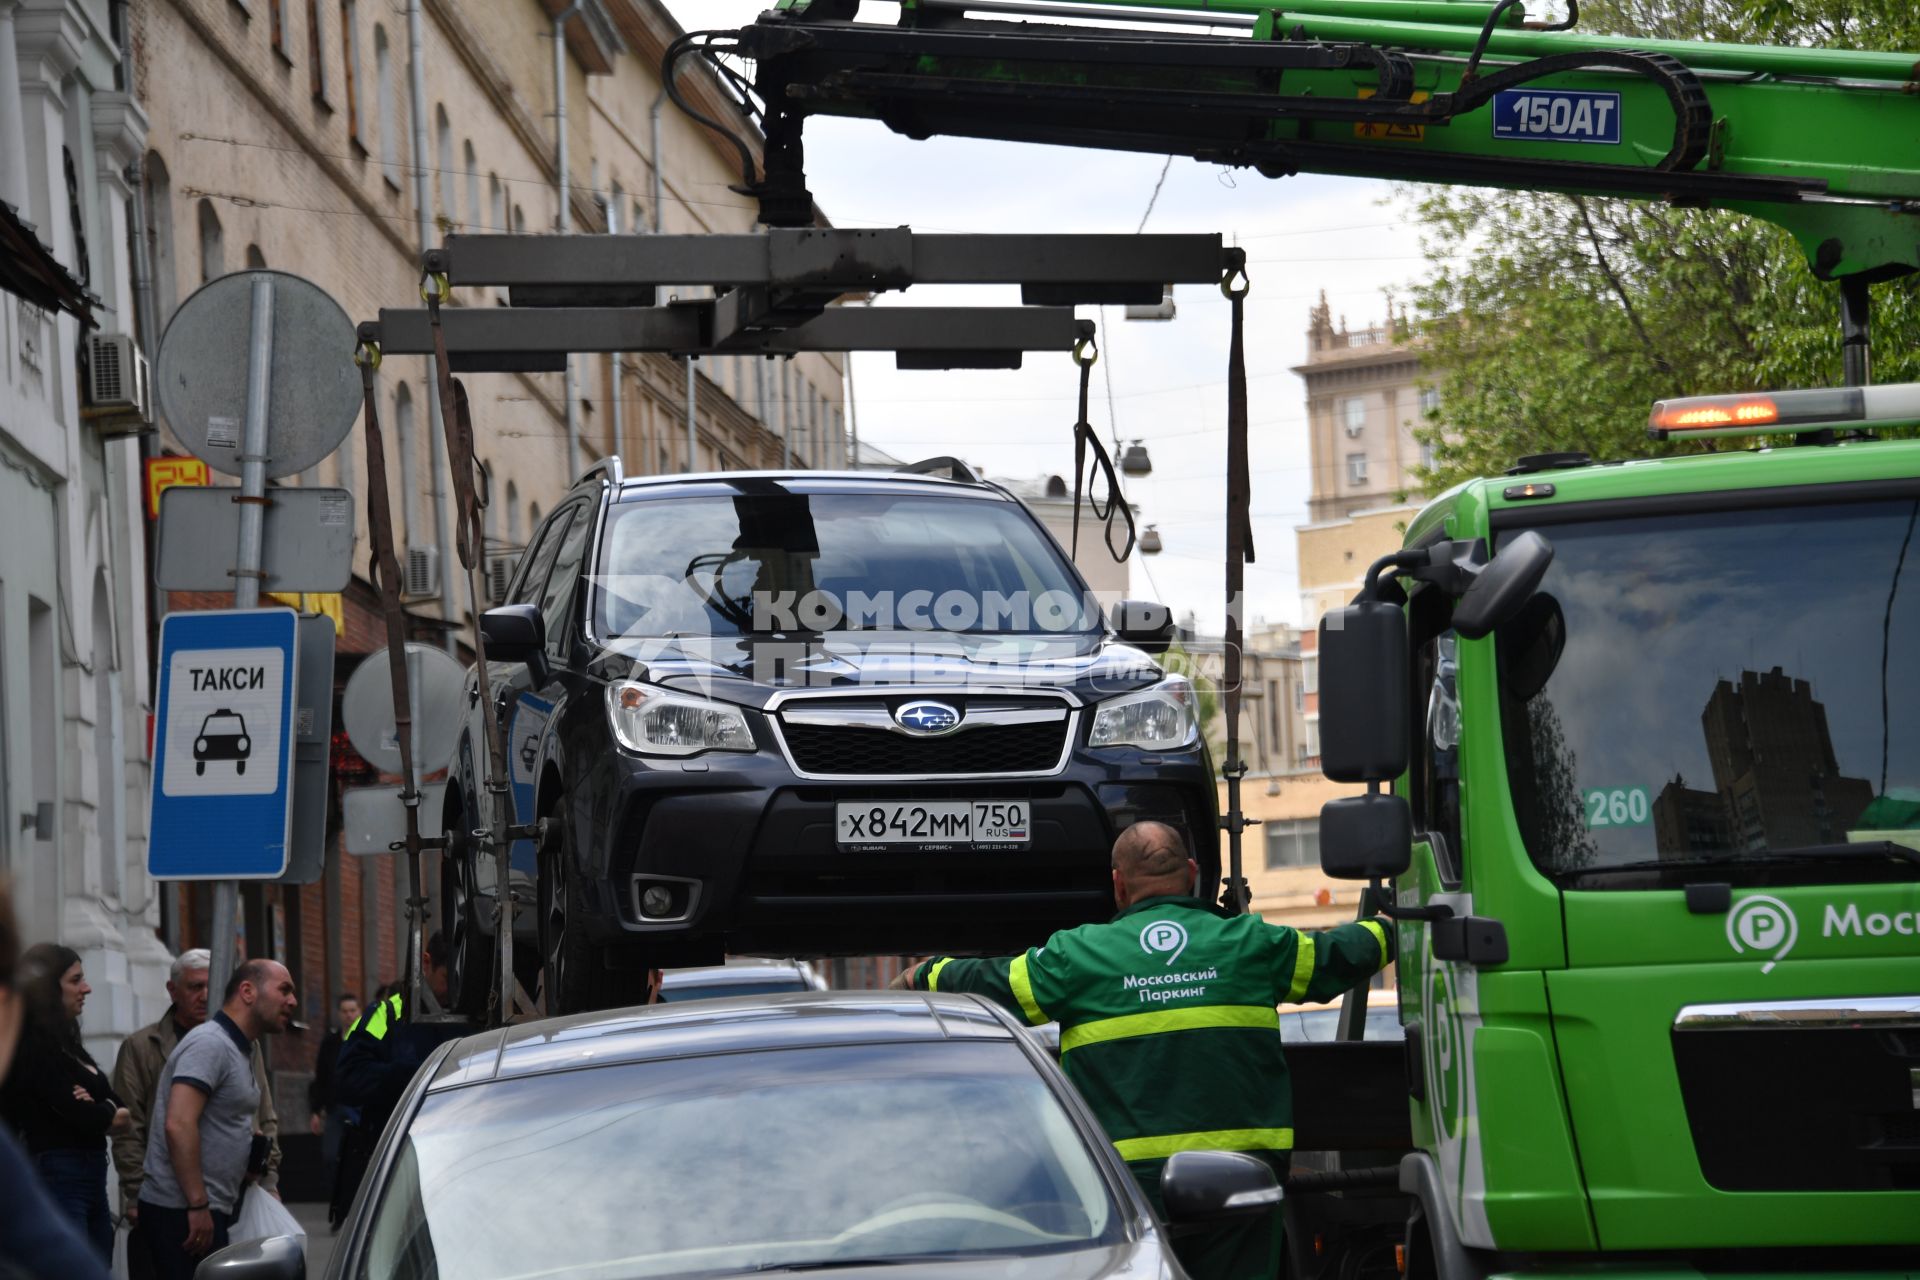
x,y
927,718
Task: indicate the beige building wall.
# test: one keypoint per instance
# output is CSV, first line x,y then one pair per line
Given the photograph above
x,y
268,147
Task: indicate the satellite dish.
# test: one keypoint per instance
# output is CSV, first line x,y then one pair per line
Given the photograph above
x,y
201,373
366,709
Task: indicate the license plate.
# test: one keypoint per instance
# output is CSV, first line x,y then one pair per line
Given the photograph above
x,y
949,823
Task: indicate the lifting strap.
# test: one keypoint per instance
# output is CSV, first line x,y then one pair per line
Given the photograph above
x,y
1239,554
1086,355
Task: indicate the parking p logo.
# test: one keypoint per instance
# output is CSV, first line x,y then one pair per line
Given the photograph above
x,y
1164,937
1762,923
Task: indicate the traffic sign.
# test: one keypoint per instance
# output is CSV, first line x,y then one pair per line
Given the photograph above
x,y
366,709
307,541
202,376
374,819
223,746
164,473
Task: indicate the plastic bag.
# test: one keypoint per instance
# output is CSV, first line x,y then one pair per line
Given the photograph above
x,y
262,1216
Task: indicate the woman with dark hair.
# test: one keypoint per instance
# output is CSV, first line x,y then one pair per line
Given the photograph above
x,y
57,1098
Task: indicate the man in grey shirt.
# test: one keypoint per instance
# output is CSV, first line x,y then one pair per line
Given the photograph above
x,y
202,1126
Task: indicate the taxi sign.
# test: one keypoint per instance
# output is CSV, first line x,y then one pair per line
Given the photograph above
x,y
221,803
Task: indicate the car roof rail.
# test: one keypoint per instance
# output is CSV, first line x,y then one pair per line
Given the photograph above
x,y
608,466
953,467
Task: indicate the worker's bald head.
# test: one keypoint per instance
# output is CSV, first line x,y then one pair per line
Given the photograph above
x,y
1150,858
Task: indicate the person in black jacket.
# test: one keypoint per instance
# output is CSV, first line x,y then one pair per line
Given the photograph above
x,y
330,1116
57,1098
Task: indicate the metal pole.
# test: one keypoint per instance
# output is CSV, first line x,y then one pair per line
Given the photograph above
x,y
615,408
562,220
692,393
853,421
1856,350
246,578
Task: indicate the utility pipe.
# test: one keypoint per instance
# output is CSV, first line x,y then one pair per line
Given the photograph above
x,y
436,429
562,219
618,418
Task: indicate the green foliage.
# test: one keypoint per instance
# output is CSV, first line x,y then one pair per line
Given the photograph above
x,y
1554,322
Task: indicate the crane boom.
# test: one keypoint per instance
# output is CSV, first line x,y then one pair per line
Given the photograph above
x,y
1822,142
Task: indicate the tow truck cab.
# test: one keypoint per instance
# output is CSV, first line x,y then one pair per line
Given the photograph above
x,y
1652,825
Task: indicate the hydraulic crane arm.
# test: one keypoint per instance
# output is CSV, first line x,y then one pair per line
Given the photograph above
x,y
1825,143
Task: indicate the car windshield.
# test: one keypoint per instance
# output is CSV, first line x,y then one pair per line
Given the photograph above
x,y
716,990
1720,689
735,1162
776,561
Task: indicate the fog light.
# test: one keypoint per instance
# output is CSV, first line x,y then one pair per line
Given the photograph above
x,y
657,900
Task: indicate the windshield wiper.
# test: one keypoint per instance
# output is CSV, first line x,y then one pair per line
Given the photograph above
x,y
882,1260
1862,851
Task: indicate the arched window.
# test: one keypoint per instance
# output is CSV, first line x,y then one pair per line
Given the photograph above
x,y
256,260
444,183
166,273
489,522
474,212
519,220
386,107
496,203
533,518
350,63
403,434
213,250
513,515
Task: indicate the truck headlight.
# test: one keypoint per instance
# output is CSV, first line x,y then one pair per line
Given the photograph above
x,y
1159,718
654,722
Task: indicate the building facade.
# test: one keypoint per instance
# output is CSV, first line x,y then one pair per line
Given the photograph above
x,y
73,600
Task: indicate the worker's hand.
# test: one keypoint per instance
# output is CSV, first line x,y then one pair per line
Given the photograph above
x,y
132,1215
122,1121
81,1095
199,1231
316,1125
903,981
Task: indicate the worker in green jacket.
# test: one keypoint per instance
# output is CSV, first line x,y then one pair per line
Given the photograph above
x,y
1168,1024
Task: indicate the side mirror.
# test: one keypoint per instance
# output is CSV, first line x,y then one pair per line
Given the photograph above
x,y
274,1258
1499,591
1146,626
1213,1186
514,633
1364,703
1366,837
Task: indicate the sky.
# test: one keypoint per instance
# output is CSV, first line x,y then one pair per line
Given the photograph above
x,y
1351,238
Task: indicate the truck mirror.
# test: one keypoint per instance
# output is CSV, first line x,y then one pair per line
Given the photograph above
x,y
1366,837
1499,591
1364,705
1146,626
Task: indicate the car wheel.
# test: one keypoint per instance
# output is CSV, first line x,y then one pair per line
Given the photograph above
x,y
570,969
469,958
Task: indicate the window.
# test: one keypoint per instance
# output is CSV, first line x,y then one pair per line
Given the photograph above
x,y
389,112
1353,414
496,203
213,252
403,445
446,205
557,601
1292,844
513,514
519,221
1429,401
350,65
1356,468
159,243
256,260
474,210
277,28
316,54
539,559
1435,769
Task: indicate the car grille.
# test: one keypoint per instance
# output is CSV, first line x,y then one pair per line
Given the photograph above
x,y
1815,1109
880,753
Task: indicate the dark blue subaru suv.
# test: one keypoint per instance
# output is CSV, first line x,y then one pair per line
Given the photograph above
x,y
808,713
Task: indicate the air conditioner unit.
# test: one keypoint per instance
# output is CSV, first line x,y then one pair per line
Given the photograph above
x,y
499,578
119,389
420,574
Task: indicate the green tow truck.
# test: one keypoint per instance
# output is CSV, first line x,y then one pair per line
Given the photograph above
x,y
1641,740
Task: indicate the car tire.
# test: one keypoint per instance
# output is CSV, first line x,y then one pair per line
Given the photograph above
x,y
571,972
469,957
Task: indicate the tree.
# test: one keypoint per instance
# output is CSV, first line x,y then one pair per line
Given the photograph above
x,y
1554,322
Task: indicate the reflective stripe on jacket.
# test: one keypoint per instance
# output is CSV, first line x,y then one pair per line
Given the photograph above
x,y
1167,1016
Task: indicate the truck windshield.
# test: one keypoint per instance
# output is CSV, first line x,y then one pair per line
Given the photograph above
x,y
1727,689
778,561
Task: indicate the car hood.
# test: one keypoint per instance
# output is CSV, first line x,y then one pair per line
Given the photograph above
x,y
1146,1259
750,671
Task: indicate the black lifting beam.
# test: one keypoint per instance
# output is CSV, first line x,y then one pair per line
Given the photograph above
x,y
773,294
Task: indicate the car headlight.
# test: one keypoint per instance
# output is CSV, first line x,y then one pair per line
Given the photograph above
x,y
654,722
1159,718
